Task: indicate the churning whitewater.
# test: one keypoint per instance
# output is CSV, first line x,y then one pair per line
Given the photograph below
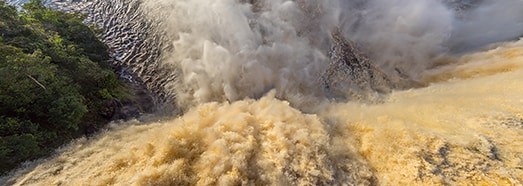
x,y
340,92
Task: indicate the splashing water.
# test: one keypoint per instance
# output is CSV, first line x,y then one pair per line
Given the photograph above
x,y
251,75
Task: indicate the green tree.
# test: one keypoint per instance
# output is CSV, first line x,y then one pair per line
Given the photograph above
x,y
55,80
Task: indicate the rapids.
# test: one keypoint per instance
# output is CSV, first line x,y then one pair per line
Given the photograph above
x,y
248,78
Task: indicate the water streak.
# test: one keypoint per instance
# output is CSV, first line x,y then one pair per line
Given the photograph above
x,y
252,78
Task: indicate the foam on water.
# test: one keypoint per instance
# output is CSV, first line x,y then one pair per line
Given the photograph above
x,y
465,130
249,75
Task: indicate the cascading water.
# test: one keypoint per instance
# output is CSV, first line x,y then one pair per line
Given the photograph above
x,y
379,92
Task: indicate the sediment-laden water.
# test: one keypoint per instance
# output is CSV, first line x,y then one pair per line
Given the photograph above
x,y
380,92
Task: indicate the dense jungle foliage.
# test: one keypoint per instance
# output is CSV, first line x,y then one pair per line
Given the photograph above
x,y
55,81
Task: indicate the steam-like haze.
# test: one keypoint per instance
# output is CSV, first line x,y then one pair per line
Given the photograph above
x,y
250,74
491,21
226,50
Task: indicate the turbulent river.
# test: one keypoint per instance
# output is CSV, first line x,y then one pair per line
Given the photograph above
x,y
305,92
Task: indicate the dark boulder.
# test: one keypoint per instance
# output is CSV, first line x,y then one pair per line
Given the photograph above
x,y
350,74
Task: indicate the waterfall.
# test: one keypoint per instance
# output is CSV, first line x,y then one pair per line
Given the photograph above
x,y
303,92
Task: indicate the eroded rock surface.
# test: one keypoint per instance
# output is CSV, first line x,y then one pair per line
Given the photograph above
x,y
351,74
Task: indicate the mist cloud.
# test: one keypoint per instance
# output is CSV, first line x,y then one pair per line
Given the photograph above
x,y
230,50
489,22
408,34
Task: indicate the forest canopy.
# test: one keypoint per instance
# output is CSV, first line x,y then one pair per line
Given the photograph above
x,y
55,81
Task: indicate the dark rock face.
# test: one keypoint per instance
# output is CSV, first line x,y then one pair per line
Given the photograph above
x,y
142,100
350,73
90,130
